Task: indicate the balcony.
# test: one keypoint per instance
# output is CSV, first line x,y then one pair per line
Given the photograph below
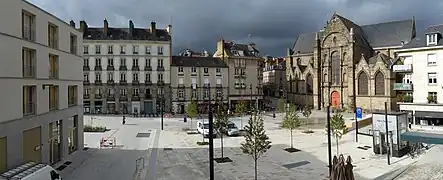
x,y
122,52
98,96
135,98
86,68
148,96
243,76
237,86
135,68
148,82
206,97
123,68
207,85
160,83
236,75
160,68
402,68
110,68
218,85
181,74
98,82
181,86
86,83
98,68
110,82
218,74
123,97
205,74
403,87
148,68
86,96
123,82
135,82
243,86
193,74
111,97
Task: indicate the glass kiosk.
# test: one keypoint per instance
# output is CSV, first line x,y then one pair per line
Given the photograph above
x,y
397,124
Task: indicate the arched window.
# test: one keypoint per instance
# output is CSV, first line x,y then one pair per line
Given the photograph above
x,y
345,78
309,84
325,77
379,83
334,41
298,61
335,68
363,84
344,57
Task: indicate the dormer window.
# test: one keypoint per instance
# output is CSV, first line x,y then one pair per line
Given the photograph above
x,y
432,39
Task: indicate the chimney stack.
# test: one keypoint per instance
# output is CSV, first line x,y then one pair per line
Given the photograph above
x,y
83,27
72,23
131,28
169,29
105,28
153,30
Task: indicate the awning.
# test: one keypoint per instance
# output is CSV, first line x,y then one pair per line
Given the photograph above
x,y
428,138
428,114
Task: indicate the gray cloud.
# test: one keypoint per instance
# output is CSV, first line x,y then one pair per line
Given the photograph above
x,y
273,24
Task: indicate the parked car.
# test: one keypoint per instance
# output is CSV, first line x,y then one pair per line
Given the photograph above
x,y
32,171
203,128
232,129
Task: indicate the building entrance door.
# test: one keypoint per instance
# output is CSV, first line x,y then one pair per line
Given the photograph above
x,y
32,145
3,157
335,99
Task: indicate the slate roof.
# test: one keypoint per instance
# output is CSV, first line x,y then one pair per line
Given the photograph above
x,y
186,61
420,40
383,57
124,34
374,35
246,48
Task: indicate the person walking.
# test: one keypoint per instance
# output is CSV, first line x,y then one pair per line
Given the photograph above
x,y
124,120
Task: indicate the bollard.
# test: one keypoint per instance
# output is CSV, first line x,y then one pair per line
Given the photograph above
x,y
185,120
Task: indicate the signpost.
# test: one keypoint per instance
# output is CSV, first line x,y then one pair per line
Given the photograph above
x,y
359,113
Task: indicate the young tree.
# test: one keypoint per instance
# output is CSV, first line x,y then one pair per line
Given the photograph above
x,y
241,109
291,122
192,111
221,124
281,105
307,111
338,127
256,141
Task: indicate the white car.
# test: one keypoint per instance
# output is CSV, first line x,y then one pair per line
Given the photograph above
x,y
232,129
203,128
32,171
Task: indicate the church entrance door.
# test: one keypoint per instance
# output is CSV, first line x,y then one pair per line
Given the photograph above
x,y
335,99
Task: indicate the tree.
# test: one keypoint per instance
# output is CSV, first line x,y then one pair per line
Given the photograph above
x,y
256,141
241,109
307,111
291,122
192,111
221,124
281,105
338,127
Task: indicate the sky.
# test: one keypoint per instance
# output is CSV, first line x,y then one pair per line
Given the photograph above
x,y
273,25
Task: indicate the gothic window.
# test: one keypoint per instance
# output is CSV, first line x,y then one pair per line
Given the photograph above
x,y
344,57
309,84
335,68
325,77
363,84
379,84
292,61
298,61
334,41
345,78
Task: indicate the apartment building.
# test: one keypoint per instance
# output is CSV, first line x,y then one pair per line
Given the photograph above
x,y
274,77
203,80
419,90
245,72
126,70
41,103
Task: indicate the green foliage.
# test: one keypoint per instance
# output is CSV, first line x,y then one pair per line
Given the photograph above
x,y
307,111
221,119
202,143
338,127
89,128
291,120
192,109
241,108
256,141
281,105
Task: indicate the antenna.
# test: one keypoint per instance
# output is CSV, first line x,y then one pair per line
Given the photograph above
x,y
249,38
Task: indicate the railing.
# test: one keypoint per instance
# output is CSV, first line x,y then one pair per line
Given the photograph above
x,y
139,166
403,87
148,68
402,68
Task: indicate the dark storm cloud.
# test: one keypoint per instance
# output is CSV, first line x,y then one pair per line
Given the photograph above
x,y
273,24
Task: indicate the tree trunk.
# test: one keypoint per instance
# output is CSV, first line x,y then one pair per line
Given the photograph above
x,y
291,140
255,169
221,143
191,124
336,141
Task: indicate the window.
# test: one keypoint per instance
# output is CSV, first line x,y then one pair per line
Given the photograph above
x,y
432,59
148,49
97,76
236,63
122,62
28,29
87,91
98,91
148,62
135,62
135,77
122,49
180,70
148,91
110,62
72,95
123,92
363,84
123,76
135,91
98,62
111,92
160,62
160,50
194,93
206,93
219,81
86,62
29,100
85,49
237,71
86,77
73,44
243,63
160,77
194,83
432,97
206,70
432,39
135,49
28,62
52,36
217,70
193,70
97,49
160,91
206,81
181,93
53,97
432,78
219,93
181,81
110,49
379,84
148,77
110,76
53,66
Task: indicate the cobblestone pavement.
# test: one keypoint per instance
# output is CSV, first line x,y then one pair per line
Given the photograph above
x,y
428,166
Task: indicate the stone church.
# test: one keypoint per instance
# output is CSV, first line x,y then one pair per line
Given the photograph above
x,y
346,64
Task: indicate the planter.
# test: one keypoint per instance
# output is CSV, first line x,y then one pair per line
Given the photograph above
x,y
222,160
202,143
89,128
292,150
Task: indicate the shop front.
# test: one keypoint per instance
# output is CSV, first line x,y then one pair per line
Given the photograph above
x,y
110,107
73,135
87,107
55,144
98,105
3,155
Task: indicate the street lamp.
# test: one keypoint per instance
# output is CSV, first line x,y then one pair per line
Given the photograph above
x,y
162,107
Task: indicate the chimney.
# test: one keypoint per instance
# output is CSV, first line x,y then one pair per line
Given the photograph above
x,y
153,30
169,29
83,27
105,28
72,23
131,28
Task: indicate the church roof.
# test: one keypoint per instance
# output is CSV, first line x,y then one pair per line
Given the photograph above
x,y
420,40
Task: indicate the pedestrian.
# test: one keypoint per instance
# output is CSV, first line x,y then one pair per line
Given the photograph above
x,y
124,120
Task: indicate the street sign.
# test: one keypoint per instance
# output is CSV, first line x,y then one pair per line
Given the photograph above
x,y
359,113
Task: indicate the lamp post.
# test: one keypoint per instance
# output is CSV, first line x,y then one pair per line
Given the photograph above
x,y
250,104
162,108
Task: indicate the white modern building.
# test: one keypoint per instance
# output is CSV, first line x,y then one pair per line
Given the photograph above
x,y
40,72
421,88
126,70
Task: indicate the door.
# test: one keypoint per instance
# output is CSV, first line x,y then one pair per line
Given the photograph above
x,y
32,145
3,157
148,107
182,109
335,99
